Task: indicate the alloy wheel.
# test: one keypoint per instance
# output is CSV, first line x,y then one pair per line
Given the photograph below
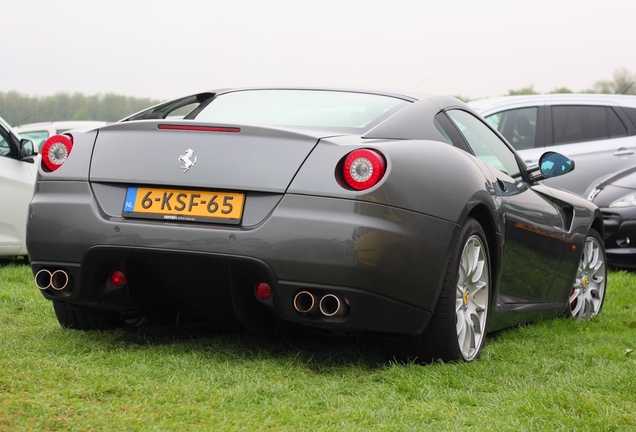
x,y
471,300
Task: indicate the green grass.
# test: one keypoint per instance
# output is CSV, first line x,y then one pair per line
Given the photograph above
x,y
552,375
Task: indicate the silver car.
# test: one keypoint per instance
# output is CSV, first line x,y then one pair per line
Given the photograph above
x,y
597,131
17,178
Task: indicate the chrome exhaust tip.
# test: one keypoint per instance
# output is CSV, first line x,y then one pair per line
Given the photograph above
x,y
59,280
304,302
43,279
332,306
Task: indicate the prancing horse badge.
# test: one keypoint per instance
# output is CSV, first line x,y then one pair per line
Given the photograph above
x,y
186,160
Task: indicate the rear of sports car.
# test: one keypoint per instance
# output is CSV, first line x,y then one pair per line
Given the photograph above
x,y
174,220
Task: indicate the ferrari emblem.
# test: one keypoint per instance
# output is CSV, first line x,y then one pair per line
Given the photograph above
x,y
586,282
186,160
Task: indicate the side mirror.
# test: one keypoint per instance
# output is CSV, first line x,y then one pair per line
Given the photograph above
x,y
27,149
552,164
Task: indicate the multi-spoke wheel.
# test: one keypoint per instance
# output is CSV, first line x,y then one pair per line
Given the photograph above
x,y
588,292
458,327
471,297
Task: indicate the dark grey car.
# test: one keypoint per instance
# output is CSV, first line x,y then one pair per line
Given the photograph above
x,y
615,194
351,212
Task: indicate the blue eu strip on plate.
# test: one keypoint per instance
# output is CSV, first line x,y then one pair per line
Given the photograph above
x,y
131,196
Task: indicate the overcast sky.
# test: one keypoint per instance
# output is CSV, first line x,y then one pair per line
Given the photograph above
x,y
165,49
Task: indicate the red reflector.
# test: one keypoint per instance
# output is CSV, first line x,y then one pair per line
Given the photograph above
x,y
199,128
117,278
263,291
363,168
56,150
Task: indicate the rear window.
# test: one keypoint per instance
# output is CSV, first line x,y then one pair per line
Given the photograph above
x,y
304,108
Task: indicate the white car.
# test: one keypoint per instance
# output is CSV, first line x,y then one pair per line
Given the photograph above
x,y
597,131
40,132
18,169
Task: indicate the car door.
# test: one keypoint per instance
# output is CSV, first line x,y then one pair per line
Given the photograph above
x,y
17,179
534,225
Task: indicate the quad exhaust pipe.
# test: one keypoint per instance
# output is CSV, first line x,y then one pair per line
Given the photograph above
x,y
58,279
305,302
332,306
329,305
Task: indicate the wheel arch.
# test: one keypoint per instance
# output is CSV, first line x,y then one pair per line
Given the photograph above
x,y
597,224
485,216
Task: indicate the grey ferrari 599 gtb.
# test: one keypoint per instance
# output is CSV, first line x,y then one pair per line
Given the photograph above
x,y
403,216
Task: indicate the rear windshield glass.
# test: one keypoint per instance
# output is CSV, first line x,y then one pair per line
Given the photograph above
x,y
305,108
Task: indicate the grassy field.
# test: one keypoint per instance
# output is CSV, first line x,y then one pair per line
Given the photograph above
x,y
552,375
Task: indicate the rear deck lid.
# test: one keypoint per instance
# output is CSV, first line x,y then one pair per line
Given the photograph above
x,y
185,154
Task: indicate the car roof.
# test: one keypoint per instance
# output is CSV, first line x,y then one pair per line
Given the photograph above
x,y
497,103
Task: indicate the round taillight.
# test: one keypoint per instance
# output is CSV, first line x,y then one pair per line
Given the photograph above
x,y
55,151
118,278
363,168
263,291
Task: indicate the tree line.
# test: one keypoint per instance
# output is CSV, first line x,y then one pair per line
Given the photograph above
x,y
19,109
622,82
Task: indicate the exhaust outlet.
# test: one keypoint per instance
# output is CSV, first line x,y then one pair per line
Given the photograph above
x,y
59,280
332,306
43,279
304,302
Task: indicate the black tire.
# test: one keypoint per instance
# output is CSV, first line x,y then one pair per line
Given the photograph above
x,y
80,318
462,300
588,291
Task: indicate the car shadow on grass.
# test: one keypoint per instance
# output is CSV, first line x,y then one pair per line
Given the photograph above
x,y
221,341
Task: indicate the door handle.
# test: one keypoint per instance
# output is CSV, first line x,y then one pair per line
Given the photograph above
x,y
623,152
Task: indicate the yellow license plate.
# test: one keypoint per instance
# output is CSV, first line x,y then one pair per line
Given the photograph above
x,y
184,205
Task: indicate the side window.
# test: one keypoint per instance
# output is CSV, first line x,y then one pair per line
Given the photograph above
x,y
486,145
519,126
631,113
449,131
573,123
5,146
616,126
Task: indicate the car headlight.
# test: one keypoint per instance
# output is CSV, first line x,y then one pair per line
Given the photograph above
x,y
626,201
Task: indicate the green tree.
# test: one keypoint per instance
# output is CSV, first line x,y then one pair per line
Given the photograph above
x,y
562,90
19,109
623,82
523,91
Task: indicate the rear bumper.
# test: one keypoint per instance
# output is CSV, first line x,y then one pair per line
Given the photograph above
x,y
386,264
163,286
